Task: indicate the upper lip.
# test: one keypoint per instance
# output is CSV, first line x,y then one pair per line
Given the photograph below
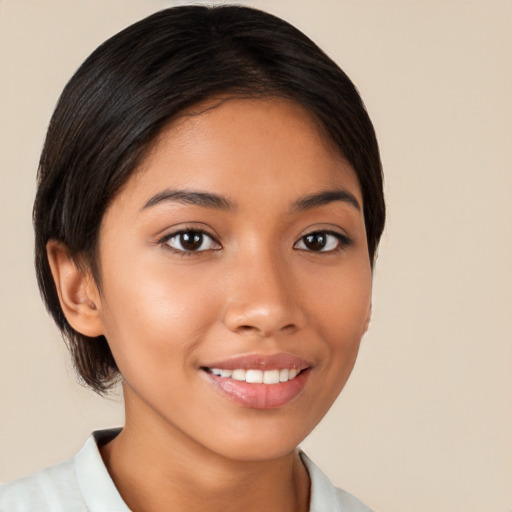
x,y
260,362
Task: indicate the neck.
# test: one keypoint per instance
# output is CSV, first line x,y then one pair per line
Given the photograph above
x,y
158,468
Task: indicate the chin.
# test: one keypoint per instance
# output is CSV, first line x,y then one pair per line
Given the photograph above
x,y
261,440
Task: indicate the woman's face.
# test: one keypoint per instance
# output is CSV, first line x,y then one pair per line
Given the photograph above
x,y
234,259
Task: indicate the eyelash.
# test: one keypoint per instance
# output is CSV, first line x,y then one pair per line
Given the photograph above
x,y
184,252
342,241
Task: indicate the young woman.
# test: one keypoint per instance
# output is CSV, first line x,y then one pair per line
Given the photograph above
x,y
208,210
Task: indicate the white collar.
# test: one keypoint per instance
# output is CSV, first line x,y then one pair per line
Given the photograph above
x,y
97,488
101,495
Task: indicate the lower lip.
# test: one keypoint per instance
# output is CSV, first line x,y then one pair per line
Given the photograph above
x,y
260,396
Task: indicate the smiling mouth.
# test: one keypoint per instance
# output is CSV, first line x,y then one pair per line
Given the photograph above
x,y
255,376
258,388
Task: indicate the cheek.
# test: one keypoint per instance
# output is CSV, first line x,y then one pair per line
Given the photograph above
x,y
340,302
340,309
155,316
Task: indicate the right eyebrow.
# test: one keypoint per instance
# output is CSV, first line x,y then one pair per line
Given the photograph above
x,y
205,199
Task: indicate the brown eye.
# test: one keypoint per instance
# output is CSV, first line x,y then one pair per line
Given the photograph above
x,y
322,241
315,242
191,241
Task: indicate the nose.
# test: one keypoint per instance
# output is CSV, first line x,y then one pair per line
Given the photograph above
x,y
262,298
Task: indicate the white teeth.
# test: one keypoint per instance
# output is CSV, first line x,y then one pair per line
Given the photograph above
x,y
271,377
238,374
220,373
257,376
254,376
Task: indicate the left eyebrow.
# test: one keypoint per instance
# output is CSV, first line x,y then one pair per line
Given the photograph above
x,y
326,197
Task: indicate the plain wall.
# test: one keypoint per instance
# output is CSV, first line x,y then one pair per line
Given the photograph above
x,y
425,422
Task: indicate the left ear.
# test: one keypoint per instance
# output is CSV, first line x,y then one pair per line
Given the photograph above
x,y
368,318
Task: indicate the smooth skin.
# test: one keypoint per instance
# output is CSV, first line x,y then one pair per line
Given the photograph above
x,y
187,280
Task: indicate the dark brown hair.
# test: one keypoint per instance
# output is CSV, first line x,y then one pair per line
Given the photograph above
x,y
132,85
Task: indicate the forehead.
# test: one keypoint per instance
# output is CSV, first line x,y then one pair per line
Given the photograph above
x,y
269,148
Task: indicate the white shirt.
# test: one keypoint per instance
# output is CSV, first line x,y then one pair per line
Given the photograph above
x,y
83,484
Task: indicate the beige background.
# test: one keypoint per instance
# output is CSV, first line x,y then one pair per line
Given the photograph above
x,y
425,423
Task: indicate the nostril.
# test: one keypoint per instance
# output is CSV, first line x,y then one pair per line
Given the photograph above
x,y
262,318
250,329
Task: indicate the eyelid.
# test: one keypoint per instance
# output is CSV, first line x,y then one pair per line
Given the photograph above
x,y
344,241
163,241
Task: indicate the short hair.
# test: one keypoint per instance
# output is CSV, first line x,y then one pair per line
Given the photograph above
x,y
134,84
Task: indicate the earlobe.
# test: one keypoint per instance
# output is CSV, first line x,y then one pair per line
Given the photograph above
x,y
368,318
78,294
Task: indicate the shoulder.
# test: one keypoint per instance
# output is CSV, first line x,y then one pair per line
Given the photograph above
x,y
325,497
81,484
54,489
